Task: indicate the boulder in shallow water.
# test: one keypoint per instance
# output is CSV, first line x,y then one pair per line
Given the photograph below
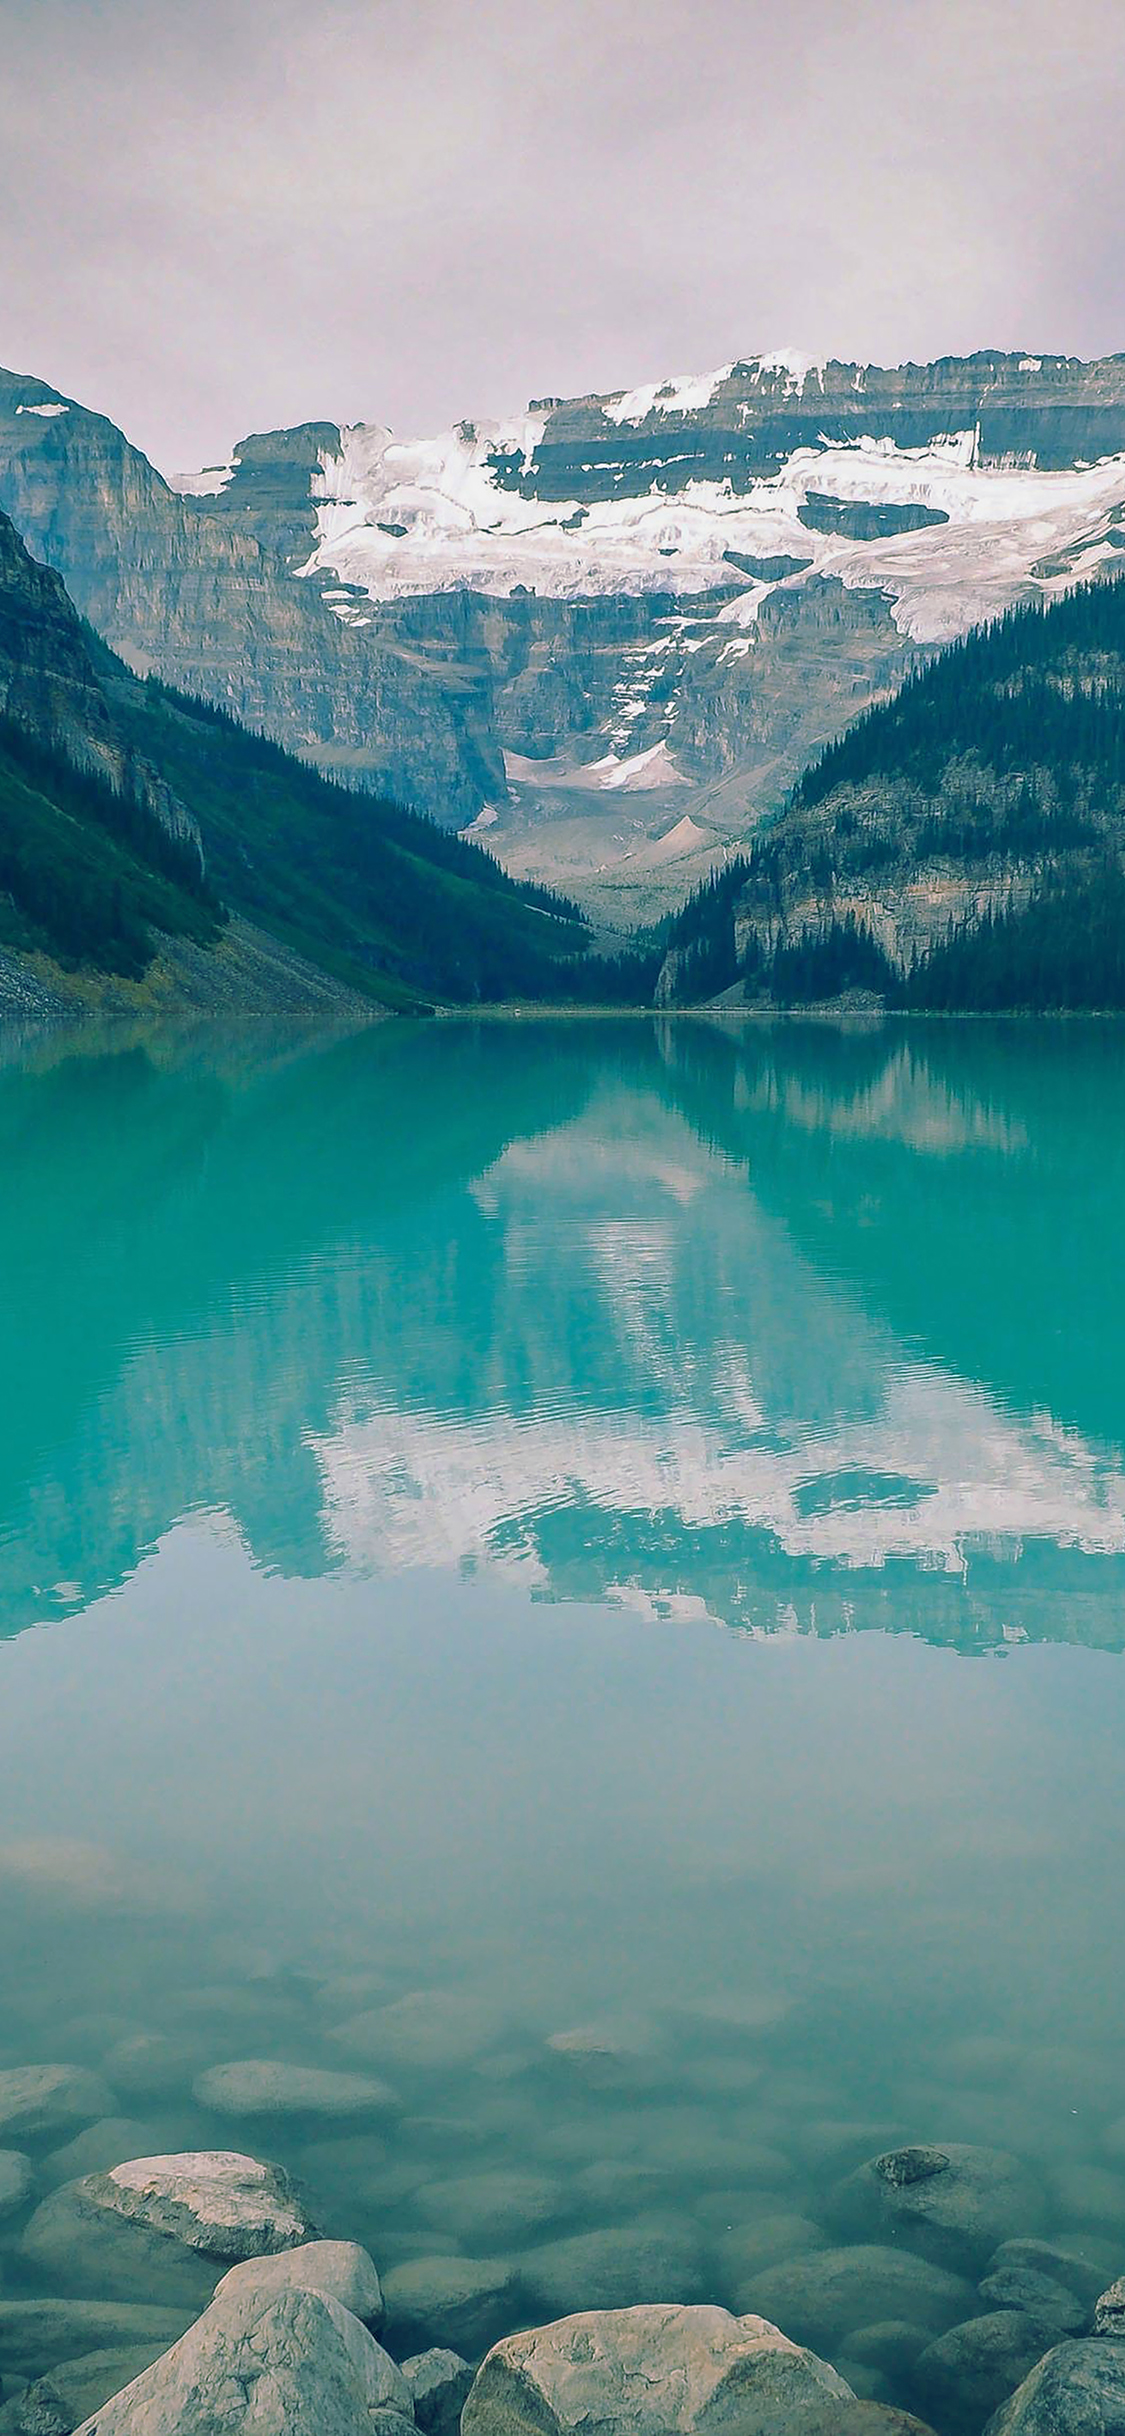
x,y
16,2179
338,2268
820,2298
155,2227
59,2402
440,2383
36,2335
1056,2310
429,2031
490,2210
616,2266
952,2204
104,2145
38,2101
1109,2310
280,2363
963,2377
252,2087
462,2302
1081,2266
655,2371
1078,2389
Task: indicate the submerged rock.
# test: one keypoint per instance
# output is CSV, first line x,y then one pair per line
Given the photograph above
x,y
155,2227
102,2146
952,2204
1078,2389
1056,2310
285,2363
59,2402
339,2269
251,2087
821,2298
492,2209
37,2100
37,2335
16,2177
615,2266
426,2031
961,2379
440,2383
1081,2267
462,2302
656,2371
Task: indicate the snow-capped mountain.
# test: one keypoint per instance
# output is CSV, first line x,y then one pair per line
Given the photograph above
x,y
611,630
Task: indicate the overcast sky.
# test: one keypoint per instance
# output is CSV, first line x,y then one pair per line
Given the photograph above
x,y
223,215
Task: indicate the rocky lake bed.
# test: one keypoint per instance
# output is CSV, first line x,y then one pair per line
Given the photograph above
x,y
332,2204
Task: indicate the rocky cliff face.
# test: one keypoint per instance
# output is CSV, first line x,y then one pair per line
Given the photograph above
x,y
611,631
50,687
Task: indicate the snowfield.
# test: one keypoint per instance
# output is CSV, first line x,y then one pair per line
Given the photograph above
x,y
397,518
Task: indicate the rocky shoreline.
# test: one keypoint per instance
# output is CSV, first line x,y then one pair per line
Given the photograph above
x,y
195,2291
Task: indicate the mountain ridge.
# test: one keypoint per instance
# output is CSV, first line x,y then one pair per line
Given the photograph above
x,y
732,567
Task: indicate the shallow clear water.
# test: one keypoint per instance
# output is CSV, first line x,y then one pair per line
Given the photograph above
x,y
623,1526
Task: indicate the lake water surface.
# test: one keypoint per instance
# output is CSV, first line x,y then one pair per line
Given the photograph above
x,y
617,1528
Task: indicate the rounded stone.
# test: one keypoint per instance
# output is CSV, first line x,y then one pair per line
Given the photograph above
x,y
154,2227
38,2100
615,2267
819,2299
655,2371
1056,2310
1082,2267
340,2269
492,2210
459,2302
254,2087
952,2204
1078,2389
963,2377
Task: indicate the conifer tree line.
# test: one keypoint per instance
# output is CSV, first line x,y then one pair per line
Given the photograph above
x,y
1003,759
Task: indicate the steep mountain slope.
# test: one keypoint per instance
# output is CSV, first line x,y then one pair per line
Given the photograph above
x,y
131,817
962,846
581,626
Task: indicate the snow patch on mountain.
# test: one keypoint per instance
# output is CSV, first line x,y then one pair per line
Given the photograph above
x,y
686,393
397,518
205,485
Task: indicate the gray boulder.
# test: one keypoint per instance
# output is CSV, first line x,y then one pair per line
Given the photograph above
x,y
821,2298
340,2269
429,2030
154,2228
1082,2266
1056,2310
488,2211
462,2302
963,2377
656,2371
251,2087
440,2382
284,2363
38,2335
1078,2389
15,2181
892,2346
102,2146
38,2101
653,2259
59,2402
1109,2310
952,2204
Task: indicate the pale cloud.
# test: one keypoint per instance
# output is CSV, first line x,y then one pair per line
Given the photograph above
x,y
255,211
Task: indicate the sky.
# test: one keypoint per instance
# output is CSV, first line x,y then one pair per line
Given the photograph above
x,y
239,214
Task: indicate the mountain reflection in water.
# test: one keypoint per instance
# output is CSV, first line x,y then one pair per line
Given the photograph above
x,y
787,1328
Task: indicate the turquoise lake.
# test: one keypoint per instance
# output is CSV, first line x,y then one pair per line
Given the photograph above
x,y
617,1528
